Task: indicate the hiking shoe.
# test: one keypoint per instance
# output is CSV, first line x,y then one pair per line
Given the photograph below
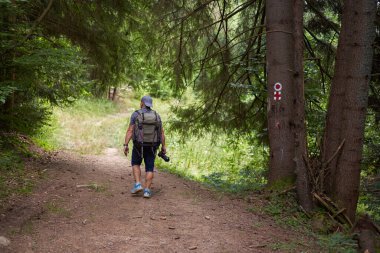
x,y
147,193
136,188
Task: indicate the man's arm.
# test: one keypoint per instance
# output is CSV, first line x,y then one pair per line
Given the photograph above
x,y
128,137
129,133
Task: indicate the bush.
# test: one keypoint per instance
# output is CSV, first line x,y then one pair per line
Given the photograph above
x,y
43,73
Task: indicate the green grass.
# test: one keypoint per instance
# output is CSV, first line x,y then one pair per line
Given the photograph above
x,y
97,187
14,178
91,126
209,159
338,243
87,127
284,210
212,159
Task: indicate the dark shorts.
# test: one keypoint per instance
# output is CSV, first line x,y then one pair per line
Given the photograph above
x,y
146,153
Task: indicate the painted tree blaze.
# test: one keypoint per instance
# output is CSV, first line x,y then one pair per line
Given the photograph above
x,y
277,91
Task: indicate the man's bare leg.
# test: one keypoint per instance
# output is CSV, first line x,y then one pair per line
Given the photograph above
x,y
137,176
148,179
137,173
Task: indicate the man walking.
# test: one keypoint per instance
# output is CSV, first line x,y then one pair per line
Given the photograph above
x,y
147,133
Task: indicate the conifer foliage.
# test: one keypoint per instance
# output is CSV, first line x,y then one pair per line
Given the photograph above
x,y
54,51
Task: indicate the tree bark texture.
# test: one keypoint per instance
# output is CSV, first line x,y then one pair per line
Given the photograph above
x,y
332,136
348,102
280,76
302,180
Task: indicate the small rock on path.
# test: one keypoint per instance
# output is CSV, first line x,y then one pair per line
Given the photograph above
x,y
4,241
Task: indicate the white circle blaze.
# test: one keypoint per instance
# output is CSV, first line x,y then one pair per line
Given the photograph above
x,y
277,86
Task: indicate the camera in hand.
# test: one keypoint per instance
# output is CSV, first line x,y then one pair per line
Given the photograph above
x,y
164,156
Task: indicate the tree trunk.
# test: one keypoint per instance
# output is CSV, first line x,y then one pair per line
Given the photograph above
x,y
332,135
280,70
114,92
302,181
351,79
9,102
109,96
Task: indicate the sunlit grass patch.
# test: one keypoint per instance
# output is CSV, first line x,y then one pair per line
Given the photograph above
x,y
87,127
92,126
211,160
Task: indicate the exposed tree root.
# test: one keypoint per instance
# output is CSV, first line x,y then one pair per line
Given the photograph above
x,y
333,209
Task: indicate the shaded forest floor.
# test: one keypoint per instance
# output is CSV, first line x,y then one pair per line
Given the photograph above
x,y
83,204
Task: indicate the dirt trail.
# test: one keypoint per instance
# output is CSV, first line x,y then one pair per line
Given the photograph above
x,y
181,216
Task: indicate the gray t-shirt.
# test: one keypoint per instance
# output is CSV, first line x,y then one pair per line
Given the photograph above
x,y
135,114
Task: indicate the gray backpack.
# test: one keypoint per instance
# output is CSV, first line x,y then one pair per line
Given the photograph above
x,y
147,130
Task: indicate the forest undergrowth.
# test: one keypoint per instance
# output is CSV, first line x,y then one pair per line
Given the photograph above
x,y
92,126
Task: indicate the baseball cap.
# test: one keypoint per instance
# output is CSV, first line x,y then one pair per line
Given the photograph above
x,y
147,100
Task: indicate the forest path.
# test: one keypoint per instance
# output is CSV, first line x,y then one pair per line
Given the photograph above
x,y
62,215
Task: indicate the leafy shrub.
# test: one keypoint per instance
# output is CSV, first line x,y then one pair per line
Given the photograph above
x,y
41,73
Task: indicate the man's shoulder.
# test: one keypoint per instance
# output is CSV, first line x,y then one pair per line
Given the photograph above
x,y
135,113
134,116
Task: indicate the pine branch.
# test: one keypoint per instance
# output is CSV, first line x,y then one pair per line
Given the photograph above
x,y
228,16
317,60
322,16
36,23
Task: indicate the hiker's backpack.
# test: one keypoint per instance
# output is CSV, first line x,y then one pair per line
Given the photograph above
x,y
147,130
